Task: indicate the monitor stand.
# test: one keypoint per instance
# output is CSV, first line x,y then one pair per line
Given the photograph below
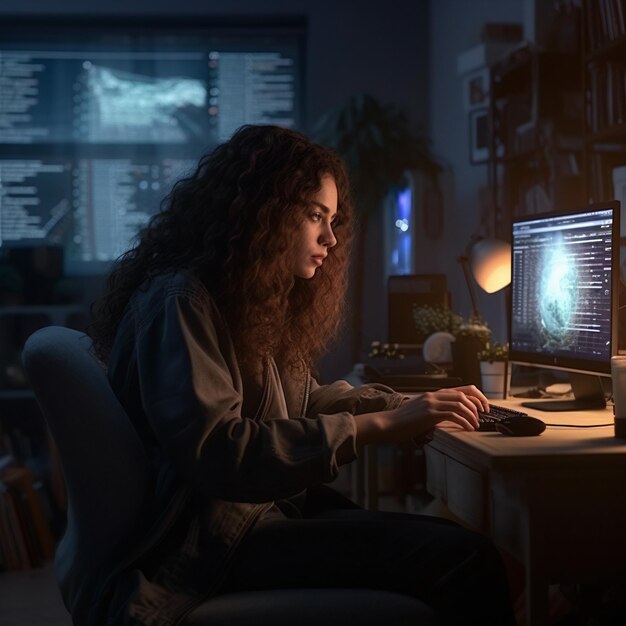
x,y
588,394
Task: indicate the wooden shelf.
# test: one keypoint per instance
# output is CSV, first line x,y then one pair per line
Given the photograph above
x,y
604,73
612,51
559,119
536,114
612,133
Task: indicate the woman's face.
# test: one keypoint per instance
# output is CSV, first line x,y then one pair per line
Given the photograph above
x,y
315,235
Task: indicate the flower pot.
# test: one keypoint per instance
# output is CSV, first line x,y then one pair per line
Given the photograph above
x,y
495,379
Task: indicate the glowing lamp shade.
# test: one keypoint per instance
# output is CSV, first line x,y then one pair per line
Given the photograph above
x,y
491,264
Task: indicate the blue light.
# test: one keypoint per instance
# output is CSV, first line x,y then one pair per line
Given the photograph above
x,y
400,236
404,204
402,225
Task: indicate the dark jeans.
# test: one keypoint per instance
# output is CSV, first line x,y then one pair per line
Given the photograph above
x,y
337,544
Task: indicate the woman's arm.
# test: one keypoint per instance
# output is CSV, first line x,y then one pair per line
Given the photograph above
x,y
384,416
418,415
342,396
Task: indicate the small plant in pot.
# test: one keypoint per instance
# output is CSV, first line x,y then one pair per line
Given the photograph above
x,y
494,369
467,337
494,351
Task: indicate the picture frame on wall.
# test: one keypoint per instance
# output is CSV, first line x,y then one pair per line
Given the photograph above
x,y
479,136
476,90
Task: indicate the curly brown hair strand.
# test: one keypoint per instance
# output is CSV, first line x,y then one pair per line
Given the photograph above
x,y
231,223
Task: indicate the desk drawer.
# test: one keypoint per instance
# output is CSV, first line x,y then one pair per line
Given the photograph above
x,y
459,486
466,494
436,473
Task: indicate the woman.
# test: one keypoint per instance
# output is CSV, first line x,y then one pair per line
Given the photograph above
x,y
209,328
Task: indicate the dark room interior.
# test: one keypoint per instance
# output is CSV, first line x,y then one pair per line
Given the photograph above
x,y
485,142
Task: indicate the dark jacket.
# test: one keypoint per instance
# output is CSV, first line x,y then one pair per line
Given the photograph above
x,y
224,447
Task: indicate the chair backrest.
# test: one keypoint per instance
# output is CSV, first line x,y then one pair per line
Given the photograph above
x,y
109,485
103,460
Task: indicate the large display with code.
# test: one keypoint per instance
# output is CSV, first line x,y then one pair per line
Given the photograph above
x,y
99,118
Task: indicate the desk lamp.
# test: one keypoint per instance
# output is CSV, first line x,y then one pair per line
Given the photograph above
x,y
490,264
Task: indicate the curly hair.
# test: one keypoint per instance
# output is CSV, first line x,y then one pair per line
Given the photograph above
x,y
231,223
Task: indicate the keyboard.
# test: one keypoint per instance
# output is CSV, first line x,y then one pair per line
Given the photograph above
x,y
488,421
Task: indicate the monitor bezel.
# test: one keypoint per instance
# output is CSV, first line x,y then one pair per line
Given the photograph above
x,y
567,363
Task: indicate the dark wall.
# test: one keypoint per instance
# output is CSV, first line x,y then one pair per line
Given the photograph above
x,y
455,27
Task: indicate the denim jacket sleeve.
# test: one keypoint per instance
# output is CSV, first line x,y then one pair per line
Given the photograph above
x,y
341,396
191,393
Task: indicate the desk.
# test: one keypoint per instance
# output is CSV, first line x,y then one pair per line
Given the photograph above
x,y
557,502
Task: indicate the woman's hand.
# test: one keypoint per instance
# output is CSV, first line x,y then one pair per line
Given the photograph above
x,y
421,413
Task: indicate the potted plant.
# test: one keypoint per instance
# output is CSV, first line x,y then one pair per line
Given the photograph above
x,y
431,319
386,350
466,338
494,369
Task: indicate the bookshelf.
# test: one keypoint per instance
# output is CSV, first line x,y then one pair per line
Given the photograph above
x,y
558,120
536,139
32,491
604,73
26,540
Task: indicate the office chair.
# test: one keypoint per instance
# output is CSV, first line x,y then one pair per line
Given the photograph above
x,y
107,478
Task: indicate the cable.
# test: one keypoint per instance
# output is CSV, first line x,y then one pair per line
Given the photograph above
x,y
579,425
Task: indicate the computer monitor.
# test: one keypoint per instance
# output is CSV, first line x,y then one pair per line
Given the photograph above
x,y
100,116
564,297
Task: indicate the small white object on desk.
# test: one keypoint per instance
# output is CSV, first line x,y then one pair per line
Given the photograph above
x,y
437,348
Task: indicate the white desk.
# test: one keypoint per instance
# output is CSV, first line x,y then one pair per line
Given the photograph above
x,y
557,502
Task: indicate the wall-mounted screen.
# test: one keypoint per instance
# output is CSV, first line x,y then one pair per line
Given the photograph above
x,y
98,118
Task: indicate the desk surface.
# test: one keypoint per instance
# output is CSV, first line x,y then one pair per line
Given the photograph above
x,y
556,446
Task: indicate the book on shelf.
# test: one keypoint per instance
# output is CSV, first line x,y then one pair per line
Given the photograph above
x,y
618,176
606,95
25,537
9,542
605,22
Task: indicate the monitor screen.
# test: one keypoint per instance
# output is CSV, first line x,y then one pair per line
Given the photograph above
x,y
564,289
98,118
